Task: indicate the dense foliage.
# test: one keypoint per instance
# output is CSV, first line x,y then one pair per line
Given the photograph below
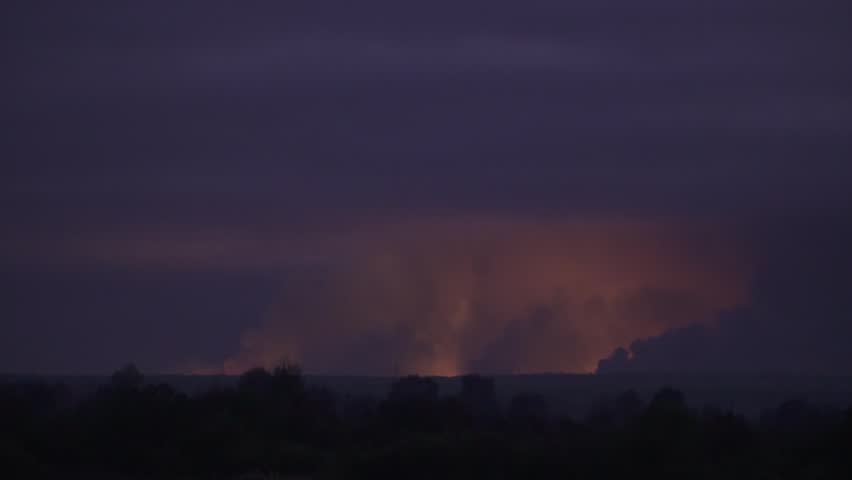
x,y
271,424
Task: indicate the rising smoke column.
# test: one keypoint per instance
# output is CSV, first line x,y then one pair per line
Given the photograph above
x,y
493,295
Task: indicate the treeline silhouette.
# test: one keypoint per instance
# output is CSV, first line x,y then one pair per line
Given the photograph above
x,y
272,425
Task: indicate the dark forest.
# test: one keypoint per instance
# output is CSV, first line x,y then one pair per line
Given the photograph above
x,y
272,425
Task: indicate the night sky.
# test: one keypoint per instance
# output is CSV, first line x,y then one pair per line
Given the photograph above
x,y
441,187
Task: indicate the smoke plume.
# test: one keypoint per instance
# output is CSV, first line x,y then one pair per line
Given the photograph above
x,y
493,295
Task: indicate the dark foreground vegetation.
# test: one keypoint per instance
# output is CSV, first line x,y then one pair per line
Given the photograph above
x,y
272,426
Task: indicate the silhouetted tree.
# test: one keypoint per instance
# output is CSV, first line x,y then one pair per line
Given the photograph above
x,y
792,415
127,377
288,379
529,407
628,405
615,412
478,395
414,388
273,423
256,381
412,404
665,436
727,438
668,400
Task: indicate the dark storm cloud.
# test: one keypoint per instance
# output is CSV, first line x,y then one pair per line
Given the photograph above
x,y
192,126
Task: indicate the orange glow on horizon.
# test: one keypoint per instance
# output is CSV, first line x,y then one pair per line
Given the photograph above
x,y
495,296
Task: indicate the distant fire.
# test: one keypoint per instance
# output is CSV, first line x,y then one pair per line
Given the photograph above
x,y
505,295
